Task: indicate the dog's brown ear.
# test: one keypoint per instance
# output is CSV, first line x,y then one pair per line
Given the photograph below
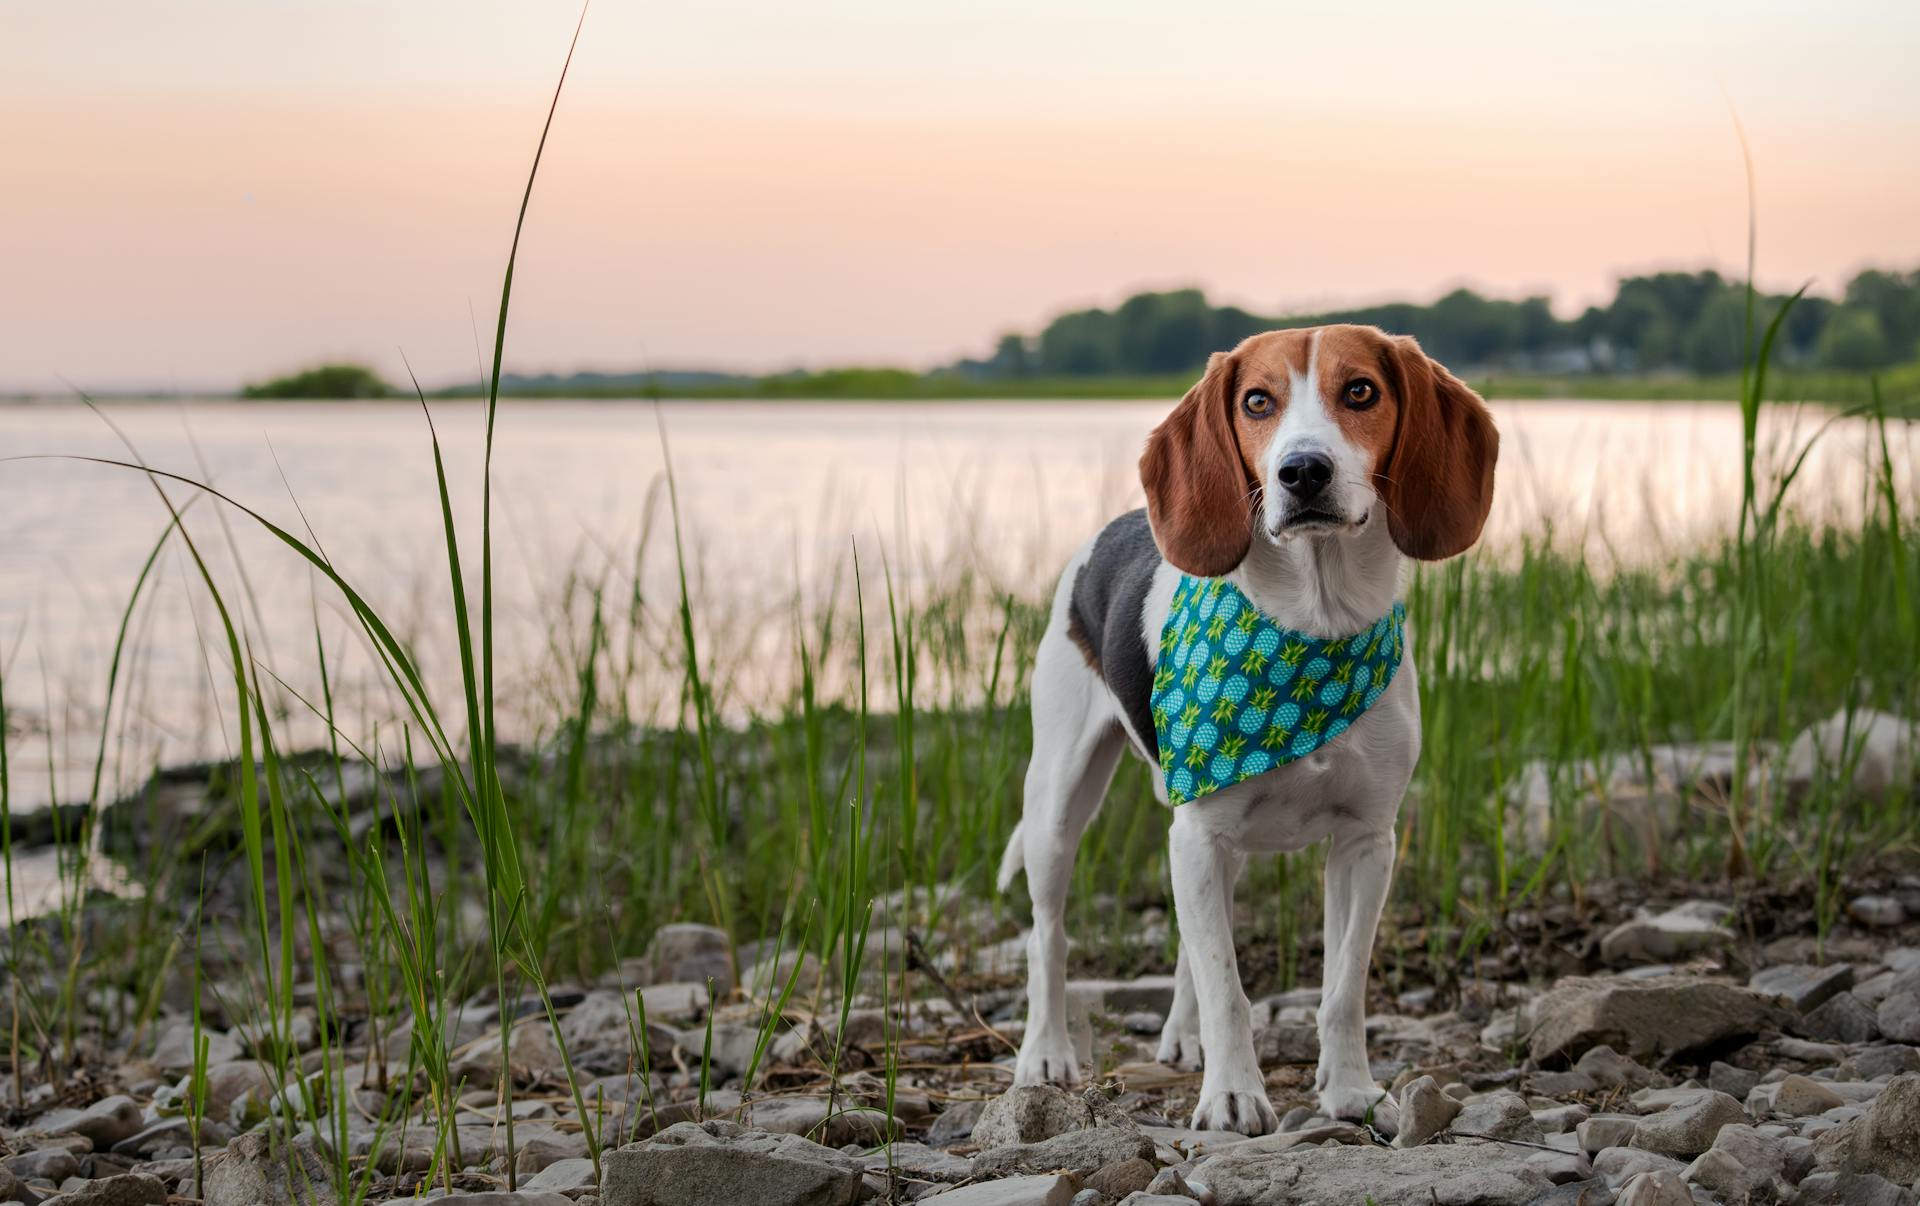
x,y
1197,488
1438,479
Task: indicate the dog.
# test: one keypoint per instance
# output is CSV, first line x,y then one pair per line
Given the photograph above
x,y
1302,469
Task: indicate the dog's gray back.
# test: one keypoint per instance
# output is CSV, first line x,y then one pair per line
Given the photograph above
x,y
1104,618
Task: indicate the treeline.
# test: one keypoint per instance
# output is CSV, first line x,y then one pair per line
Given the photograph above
x,y
1693,322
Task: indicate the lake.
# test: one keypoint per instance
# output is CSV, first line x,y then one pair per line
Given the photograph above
x,y
773,497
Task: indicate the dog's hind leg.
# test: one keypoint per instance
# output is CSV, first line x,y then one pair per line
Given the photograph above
x,y
1076,743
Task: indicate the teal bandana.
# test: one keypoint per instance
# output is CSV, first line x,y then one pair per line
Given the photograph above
x,y
1235,695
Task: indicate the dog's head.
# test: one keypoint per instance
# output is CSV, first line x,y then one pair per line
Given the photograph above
x,y
1307,434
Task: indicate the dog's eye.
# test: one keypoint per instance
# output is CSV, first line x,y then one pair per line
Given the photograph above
x,y
1361,393
1258,403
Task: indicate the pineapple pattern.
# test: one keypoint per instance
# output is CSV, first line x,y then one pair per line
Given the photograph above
x,y
1235,695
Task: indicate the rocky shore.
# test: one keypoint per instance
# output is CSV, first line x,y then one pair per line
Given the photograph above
x,y
1693,1064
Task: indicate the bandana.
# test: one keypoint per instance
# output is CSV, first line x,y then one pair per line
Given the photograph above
x,y
1236,695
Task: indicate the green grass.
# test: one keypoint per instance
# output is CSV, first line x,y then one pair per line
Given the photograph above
x,y
788,818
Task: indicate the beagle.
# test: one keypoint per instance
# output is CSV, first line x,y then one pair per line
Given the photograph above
x,y
1301,470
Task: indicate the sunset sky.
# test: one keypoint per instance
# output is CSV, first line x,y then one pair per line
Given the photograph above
x,y
198,193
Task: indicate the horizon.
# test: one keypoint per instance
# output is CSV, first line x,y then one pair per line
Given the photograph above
x,y
222,200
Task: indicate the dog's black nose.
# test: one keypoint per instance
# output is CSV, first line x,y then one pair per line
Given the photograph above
x,y
1306,474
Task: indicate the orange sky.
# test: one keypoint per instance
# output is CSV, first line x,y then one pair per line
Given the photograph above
x,y
197,193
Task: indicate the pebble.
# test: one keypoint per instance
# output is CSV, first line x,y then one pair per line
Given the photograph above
x,y
1688,1128
1802,985
1843,1019
1880,912
1659,1188
1054,1189
1425,1111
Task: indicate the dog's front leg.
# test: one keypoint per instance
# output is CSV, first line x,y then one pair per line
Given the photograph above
x,y
1233,1097
1359,870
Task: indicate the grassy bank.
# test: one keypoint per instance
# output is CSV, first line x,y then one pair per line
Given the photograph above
x,y
1899,387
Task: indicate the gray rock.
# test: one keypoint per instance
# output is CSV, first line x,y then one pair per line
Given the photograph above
x,y
1144,1021
1561,1084
920,1162
1287,1042
1657,1016
955,1123
600,1031
534,1154
1425,1111
1498,1116
105,1122
719,1163
1742,1165
1884,1141
1843,1019
54,1164
165,1134
1661,1188
1577,1193
1561,1120
128,1189
575,1172
685,953
1609,1069
1169,1183
524,1197
1051,1190
1676,934
1603,1131
1618,1165
1889,1060
1689,1128
1803,985
1803,1097
1490,1174
1851,1189
768,977
810,1116
173,1049
1030,1113
1075,1151
1160,1199
1899,1012
250,1173
12,1189
1119,1180
1878,747
1880,912
1806,1051
1734,1082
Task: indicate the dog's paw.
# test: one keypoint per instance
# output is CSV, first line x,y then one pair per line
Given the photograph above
x,y
1362,1103
1046,1060
1249,1113
1179,1046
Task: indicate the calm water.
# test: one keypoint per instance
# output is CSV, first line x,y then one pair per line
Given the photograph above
x,y
772,496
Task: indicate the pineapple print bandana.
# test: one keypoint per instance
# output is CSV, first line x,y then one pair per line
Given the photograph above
x,y
1235,695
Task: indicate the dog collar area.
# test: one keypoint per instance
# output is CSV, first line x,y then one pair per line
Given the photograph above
x,y
1236,695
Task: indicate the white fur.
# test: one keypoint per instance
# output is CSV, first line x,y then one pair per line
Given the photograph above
x,y
1328,582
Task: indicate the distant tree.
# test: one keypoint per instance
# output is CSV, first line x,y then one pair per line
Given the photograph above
x,y
1717,340
1854,339
1080,343
1894,298
1657,321
330,381
1164,332
1011,357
